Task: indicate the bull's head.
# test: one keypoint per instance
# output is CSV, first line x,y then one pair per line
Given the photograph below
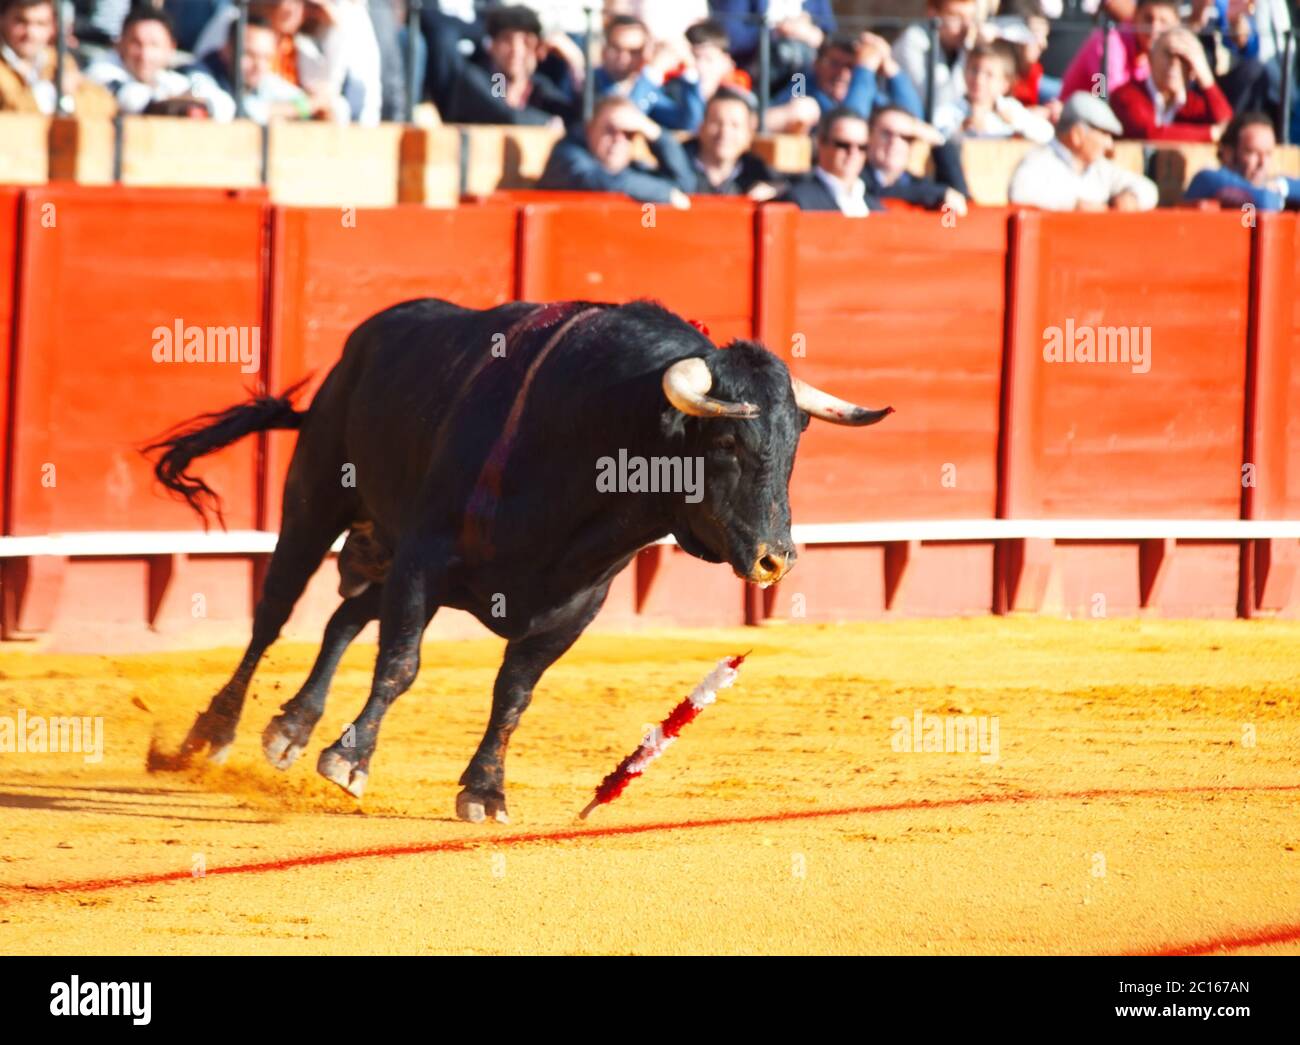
x,y
741,412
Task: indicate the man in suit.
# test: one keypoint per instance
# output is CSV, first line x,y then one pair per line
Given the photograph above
x,y
835,183
893,132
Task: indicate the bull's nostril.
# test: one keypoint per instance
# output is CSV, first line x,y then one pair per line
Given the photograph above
x,y
769,564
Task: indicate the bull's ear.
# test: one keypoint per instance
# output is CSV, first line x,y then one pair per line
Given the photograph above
x,y
804,419
687,383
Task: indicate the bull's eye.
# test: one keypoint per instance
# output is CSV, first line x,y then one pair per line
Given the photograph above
x,y
725,443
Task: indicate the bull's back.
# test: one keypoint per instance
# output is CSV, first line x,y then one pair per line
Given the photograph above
x,y
406,375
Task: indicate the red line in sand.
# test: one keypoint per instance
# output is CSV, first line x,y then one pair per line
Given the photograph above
x,y
1277,934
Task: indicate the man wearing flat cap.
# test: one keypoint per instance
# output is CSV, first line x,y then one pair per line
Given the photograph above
x,y
1072,171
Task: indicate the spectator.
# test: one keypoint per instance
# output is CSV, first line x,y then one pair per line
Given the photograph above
x,y
600,160
326,47
27,63
797,29
1246,84
1127,55
1073,173
1025,26
682,101
623,60
854,72
667,23
507,88
835,183
189,19
139,73
267,95
959,22
389,41
1247,151
988,110
894,131
1179,101
720,154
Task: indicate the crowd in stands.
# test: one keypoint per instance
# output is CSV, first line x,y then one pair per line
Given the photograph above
x,y
676,83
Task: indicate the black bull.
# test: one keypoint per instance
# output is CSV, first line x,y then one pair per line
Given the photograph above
x,y
460,451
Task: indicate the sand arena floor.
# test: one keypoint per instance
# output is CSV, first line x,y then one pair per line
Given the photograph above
x,y
1146,797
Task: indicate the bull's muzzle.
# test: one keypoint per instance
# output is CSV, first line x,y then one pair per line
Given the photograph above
x,y
771,564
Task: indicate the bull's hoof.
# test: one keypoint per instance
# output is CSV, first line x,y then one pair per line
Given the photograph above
x,y
280,745
475,806
208,731
337,769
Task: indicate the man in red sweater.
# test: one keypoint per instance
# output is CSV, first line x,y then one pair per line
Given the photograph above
x,y
1179,101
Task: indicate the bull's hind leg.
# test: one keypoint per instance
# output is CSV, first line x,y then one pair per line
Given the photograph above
x,y
287,734
484,780
410,598
303,543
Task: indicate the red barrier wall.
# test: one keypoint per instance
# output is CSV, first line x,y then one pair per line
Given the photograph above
x,y
101,270
699,263
944,322
330,275
10,205
1097,439
897,310
1272,452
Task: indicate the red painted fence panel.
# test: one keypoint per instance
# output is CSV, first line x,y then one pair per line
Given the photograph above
x,y
109,276
1158,436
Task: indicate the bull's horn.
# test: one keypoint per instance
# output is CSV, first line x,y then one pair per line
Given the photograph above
x,y
838,412
687,383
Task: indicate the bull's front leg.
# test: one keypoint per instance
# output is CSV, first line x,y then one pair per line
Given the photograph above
x,y
484,779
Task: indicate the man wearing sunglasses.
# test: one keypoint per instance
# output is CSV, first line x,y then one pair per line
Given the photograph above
x,y
835,183
599,159
894,130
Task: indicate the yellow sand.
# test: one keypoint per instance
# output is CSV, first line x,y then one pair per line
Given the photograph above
x,y
1136,710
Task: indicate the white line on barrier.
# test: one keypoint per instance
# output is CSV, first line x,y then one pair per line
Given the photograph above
x,y
262,542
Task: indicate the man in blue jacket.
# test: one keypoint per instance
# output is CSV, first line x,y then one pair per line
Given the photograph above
x,y
600,159
854,72
1246,151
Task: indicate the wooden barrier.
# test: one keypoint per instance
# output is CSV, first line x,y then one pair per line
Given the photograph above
x,y
331,165
25,158
787,153
946,322
498,157
1271,457
1150,434
903,310
166,151
81,150
10,210
699,263
430,166
113,283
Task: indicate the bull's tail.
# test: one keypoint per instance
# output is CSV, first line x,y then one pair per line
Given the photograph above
x,y
207,433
